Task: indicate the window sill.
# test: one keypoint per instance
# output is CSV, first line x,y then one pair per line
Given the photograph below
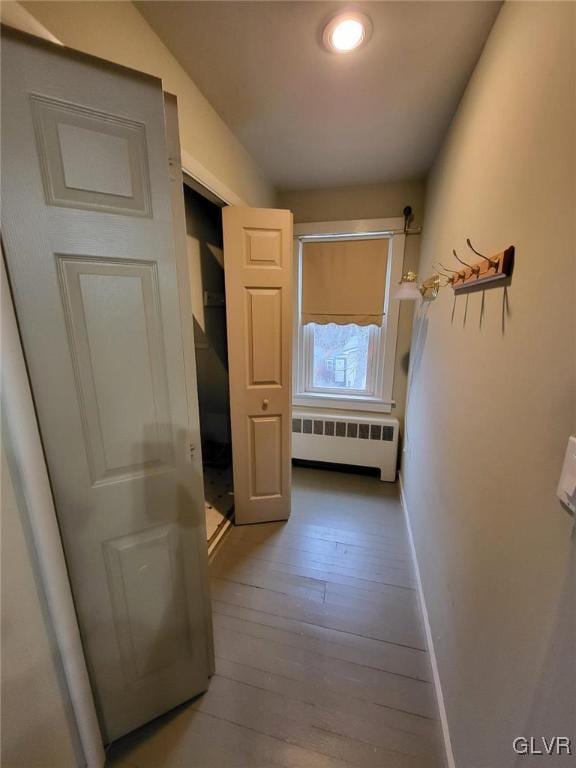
x,y
345,403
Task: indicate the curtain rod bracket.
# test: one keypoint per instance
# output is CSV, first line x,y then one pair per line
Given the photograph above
x,y
408,216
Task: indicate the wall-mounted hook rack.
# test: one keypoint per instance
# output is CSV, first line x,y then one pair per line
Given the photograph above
x,y
490,270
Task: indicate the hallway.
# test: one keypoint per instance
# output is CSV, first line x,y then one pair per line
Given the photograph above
x,y
320,654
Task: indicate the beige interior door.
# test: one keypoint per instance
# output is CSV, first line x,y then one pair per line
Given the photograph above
x,y
88,232
258,272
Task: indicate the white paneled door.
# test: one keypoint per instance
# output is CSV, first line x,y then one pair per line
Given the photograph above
x,y
258,269
88,233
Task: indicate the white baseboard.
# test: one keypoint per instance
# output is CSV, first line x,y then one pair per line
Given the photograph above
x,y
450,762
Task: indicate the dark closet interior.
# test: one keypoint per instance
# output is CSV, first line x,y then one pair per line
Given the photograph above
x,y
207,287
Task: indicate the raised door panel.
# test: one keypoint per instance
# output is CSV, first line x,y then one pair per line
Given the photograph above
x,y
91,159
263,248
147,591
265,457
115,340
264,323
110,176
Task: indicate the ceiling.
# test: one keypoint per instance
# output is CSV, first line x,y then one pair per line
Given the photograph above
x,y
314,119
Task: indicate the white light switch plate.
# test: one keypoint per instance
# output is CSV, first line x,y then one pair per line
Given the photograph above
x,y
567,485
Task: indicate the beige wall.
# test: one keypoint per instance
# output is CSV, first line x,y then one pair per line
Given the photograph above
x,y
370,201
492,400
364,201
38,727
117,32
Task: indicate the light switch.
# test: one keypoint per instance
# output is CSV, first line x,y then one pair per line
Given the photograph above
x,y
567,485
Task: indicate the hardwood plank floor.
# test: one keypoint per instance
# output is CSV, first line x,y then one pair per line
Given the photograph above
x,y
321,659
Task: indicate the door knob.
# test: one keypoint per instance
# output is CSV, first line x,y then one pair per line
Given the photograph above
x,y
265,404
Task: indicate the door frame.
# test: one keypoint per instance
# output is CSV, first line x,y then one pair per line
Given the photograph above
x,y
219,195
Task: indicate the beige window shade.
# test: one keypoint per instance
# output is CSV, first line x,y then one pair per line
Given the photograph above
x,y
344,281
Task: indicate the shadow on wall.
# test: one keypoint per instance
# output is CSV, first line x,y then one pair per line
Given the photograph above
x,y
419,336
414,360
506,309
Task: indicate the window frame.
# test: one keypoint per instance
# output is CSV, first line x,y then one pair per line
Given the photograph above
x,y
380,377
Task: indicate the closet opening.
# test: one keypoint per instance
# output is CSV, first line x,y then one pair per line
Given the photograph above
x,y
204,246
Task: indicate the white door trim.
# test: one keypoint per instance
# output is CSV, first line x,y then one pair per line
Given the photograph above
x,y
26,447
207,179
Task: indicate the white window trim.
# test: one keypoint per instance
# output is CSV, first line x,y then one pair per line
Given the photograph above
x,y
392,230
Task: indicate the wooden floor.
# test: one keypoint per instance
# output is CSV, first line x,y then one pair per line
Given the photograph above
x,y
321,659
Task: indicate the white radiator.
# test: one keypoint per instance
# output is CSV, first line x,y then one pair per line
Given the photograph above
x,y
343,438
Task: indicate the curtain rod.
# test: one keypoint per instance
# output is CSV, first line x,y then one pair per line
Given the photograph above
x,y
361,235
406,230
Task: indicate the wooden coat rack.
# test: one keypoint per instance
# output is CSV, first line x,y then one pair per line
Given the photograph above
x,y
482,273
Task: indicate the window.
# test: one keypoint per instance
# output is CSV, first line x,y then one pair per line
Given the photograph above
x,y
341,358
347,365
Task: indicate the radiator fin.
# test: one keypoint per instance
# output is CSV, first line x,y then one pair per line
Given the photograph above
x,y
348,429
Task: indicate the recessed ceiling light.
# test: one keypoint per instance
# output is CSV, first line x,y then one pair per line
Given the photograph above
x,y
346,32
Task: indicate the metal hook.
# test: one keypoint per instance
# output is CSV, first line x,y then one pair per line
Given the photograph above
x,y
475,270
443,274
439,272
459,272
493,262
456,271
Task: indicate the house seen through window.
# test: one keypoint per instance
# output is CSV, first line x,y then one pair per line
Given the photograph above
x,y
340,356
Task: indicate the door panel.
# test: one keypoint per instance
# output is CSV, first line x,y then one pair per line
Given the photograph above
x,y
258,269
144,570
89,240
264,320
115,339
263,248
266,457
91,159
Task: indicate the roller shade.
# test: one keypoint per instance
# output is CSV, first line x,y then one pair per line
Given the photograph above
x,y
344,281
